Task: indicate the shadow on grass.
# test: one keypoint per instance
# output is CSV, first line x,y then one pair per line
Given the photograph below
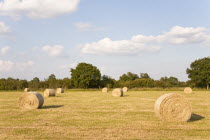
x,y
125,95
196,117
54,96
52,106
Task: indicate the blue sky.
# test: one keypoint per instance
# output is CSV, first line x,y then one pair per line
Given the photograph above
x,y
159,37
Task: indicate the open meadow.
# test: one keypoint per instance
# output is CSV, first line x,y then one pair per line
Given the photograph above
x,y
97,115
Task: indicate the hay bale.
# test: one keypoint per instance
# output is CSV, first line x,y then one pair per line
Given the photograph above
x,y
173,107
30,101
59,90
49,92
125,89
105,90
117,92
27,90
187,90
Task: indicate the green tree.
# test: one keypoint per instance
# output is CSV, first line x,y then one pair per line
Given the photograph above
x,y
43,85
168,82
107,81
144,76
52,81
3,83
67,83
128,77
85,76
11,84
140,83
173,81
199,72
34,84
22,84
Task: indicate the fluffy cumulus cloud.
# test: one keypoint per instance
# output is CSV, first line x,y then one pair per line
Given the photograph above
x,y
122,47
177,35
86,26
4,29
55,50
7,66
4,50
37,8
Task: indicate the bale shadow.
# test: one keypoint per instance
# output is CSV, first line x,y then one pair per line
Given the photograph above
x,y
58,96
125,95
196,117
52,106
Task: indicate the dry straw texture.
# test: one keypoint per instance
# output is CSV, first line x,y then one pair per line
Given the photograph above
x,y
188,90
27,90
172,107
125,89
117,92
59,90
49,92
105,90
30,101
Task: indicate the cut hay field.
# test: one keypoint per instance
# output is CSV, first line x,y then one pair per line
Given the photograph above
x,y
97,115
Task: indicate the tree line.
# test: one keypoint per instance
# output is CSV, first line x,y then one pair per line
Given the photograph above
x,y
88,76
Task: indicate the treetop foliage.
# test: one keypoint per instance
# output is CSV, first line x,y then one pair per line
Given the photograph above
x,y
85,76
199,72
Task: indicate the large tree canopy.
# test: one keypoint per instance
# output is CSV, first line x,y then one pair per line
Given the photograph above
x,y
199,72
85,76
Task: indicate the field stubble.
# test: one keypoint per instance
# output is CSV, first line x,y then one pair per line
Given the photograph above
x,y
97,115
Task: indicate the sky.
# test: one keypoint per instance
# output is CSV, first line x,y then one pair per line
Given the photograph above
x,y
161,37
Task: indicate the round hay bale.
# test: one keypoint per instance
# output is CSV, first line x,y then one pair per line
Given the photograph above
x,y
173,107
187,90
49,92
30,101
117,92
27,90
105,90
125,89
59,90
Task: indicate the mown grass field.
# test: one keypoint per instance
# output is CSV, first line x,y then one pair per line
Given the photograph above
x,y
96,115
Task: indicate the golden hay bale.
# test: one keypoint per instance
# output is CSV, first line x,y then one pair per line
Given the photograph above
x,y
27,90
188,90
49,92
125,89
173,107
30,101
59,90
117,92
105,90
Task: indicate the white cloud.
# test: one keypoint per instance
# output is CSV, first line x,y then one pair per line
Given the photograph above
x,y
4,50
137,44
25,64
6,66
55,50
37,8
177,35
86,26
122,47
4,29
